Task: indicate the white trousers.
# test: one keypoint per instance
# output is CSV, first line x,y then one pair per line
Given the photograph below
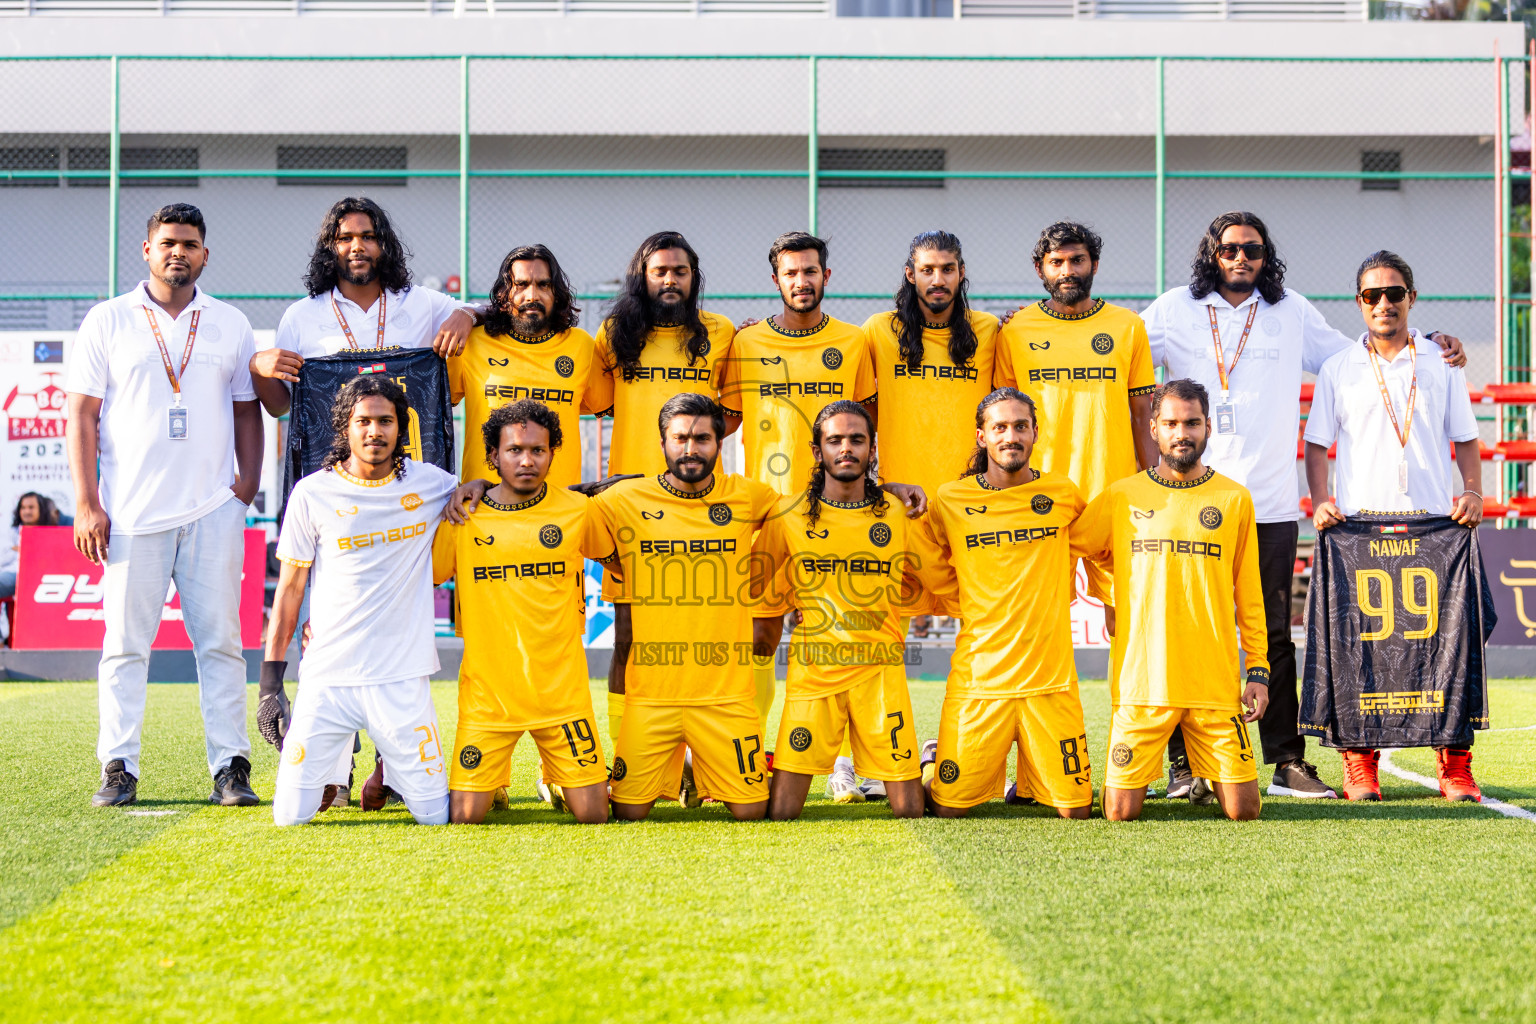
x,y
402,722
203,559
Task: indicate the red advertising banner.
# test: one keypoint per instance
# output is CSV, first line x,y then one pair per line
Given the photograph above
x,y
58,596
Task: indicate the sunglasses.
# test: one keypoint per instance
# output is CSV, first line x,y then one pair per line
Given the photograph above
x,y
1395,294
1250,250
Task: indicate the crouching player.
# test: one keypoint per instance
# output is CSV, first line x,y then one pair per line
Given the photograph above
x,y
365,524
1012,676
835,554
1181,541
518,562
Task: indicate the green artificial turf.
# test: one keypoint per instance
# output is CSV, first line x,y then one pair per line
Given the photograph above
x,y
1410,910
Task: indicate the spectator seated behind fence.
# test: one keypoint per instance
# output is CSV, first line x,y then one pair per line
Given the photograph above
x,y
32,509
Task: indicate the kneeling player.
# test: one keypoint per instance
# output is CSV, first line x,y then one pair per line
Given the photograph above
x,y
519,567
365,522
837,556
1180,540
1006,531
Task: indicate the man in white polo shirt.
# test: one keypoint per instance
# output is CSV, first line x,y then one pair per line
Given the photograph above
x,y
1236,304
360,297
160,399
1394,410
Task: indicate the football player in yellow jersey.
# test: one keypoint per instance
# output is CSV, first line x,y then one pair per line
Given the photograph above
x,y
1012,676
784,369
837,556
1180,543
780,374
684,540
1088,363
521,549
527,347
654,344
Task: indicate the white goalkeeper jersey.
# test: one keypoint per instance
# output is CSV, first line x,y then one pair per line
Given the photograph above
x,y
369,543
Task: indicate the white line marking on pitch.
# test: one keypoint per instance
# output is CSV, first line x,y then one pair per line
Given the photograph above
x,y
149,814
1508,810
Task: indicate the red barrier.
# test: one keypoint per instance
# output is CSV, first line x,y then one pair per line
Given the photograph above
x,y
58,596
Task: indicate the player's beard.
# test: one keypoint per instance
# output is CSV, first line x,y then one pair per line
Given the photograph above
x,y
801,302
665,312
530,320
1240,287
1010,459
940,305
691,469
364,277
1070,289
1186,459
846,472
178,276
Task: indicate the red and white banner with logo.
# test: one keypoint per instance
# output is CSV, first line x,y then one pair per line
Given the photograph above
x,y
58,596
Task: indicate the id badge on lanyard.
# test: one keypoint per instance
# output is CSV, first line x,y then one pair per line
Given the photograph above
x,y
176,415
1224,414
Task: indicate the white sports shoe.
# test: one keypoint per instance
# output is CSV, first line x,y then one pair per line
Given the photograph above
x,y
549,794
688,790
843,785
873,789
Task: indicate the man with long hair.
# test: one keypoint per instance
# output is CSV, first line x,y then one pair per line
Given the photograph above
x,y
365,524
32,509
1238,331
1179,543
527,347
360,297
1012,676
834,553
655,343
780,373
164,438
518,569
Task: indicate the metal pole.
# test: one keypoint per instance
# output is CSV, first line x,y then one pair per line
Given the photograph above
x,y
813,150
1500,213
464,178
114,181
1162,184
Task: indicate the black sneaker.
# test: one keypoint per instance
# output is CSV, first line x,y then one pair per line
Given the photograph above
x,y
1202,793
118,787
1180,779
1298,778
232,786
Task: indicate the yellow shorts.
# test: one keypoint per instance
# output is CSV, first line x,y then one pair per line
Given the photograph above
x,y
975,734
571,752
1216,741
875,715
724,738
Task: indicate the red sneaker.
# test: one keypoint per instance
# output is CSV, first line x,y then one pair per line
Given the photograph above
x,y
1360,780
1456,782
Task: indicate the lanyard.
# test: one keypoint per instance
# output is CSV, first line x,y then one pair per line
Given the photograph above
x,y
165,355
1386,399
1223,371
351,341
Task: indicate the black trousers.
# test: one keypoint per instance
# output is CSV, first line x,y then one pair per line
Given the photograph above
x,y
1277,729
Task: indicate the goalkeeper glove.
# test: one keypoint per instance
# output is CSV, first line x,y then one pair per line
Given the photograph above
x,y
272,713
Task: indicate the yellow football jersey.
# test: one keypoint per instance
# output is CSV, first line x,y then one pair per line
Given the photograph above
x,y
928,430
777,381
1081,371
686,560
852,575
492,372
521,610
1185,562
635,446
1012,553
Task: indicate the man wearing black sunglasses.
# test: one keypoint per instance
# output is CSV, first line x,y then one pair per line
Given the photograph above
x,y
1238,331
1394,411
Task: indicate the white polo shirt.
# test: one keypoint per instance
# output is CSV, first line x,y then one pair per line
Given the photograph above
x,y
1347,408
1287,339
149,482
370,545
411,320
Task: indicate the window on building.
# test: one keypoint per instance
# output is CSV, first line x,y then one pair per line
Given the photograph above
x,y
1381,160
341,158
136,158
29,158
882,160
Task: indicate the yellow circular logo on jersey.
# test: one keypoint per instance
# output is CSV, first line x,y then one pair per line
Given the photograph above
x,y
565,366
800,737
1041,504
469,757
619,769
831,358
295,754
550,536
1210,517
411,502
1120,754
879,535
720,514
1103,344
948,771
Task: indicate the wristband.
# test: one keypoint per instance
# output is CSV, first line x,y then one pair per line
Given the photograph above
x,y
1259,675
272,675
